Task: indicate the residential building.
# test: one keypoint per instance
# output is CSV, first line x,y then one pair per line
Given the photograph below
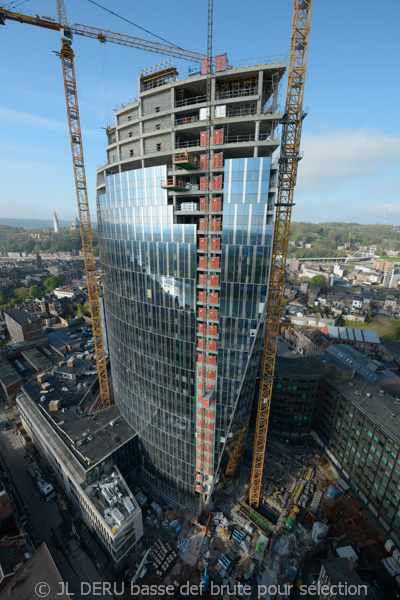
x,y
392,276
22,326
307,342
185,262
55,222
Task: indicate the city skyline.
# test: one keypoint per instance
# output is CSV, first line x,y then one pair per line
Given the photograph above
x,y
351,147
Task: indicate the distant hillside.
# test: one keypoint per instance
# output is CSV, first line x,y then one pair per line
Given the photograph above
x,y
35,223
334,239
17,239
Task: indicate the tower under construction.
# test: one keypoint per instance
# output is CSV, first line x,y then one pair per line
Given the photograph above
x,y
186,223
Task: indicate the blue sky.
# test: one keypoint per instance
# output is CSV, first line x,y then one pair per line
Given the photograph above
x,y
351,137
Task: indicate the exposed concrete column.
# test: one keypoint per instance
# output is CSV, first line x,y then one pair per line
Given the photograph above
x,y
260,92
213,88
256,137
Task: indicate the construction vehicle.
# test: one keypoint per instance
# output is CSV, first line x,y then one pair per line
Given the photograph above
x,y
67,58
288,162
45,488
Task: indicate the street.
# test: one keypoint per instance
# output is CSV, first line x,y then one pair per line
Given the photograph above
x,y
50,523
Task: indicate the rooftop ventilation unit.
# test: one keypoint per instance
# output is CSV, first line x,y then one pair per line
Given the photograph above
x,y
117,516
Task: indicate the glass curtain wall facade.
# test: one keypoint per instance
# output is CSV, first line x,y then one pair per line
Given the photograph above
x,y
150,263
366,453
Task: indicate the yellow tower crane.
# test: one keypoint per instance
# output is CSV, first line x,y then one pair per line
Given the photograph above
x,y
71,98
289,158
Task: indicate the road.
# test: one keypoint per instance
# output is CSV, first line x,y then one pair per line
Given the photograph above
x,y
50,523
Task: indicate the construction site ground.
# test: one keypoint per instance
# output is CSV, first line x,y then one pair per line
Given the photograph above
x,y
287,468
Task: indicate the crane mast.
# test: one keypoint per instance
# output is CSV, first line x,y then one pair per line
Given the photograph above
x,y
75,135
289,158
71,98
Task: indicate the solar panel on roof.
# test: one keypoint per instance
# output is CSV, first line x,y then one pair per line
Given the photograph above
x,y
350,333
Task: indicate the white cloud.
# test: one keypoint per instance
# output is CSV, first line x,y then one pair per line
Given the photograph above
x,y
331,158
9,115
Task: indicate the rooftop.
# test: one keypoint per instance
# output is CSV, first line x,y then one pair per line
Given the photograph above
x,y
350,334
40,567
8,375
14,552
338,571
91,438
377,405
21,316
302,368
373,370
111,495
36,359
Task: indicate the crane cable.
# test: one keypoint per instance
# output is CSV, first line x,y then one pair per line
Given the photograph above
x,y
134,24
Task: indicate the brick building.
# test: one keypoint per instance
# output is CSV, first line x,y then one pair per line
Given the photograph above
x,y
22,326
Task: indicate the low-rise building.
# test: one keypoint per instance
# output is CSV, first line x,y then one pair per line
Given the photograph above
x,y
356,338
338,580
67,291
10,379
22,326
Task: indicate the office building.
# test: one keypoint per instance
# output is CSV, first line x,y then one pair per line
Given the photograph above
x,y
352,418
186,226
89,454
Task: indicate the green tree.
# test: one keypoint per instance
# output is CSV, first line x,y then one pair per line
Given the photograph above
x,y
21,294
35,291
52,283
82,309
318,281
3,298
